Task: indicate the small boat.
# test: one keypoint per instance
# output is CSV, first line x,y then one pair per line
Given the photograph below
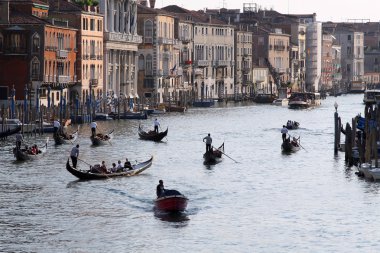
x,y
303,100
130,115
281,102
9,132
203,103
371,96
88,175
25,155
152,135
171,201
264,98
291,125
60,139
213,157
101,139
102,117
175,108
290,145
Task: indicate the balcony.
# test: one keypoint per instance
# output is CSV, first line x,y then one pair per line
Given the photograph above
x,y
246,70
99,57
198,72
279,47
63,79
93,57
203,63
281,70
120,37
61,53
185,39
94,82
222,63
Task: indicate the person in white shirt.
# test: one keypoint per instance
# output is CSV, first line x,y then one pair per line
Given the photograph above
x,y
156,125
19,139
284,132
56,126
74,155
208,143
93,128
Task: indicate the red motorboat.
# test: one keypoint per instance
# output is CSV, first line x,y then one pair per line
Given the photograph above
x,y
171,201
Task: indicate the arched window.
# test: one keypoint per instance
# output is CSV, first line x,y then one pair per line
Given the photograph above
x,y
35,68
141,62
149,65
148,31
36,43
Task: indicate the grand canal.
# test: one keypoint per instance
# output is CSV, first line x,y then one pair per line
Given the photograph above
x,y
268,202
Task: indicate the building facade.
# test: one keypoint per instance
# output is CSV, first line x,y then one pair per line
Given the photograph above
x,y
243,62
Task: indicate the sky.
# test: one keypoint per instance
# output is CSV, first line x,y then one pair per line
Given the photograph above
x,y
326,10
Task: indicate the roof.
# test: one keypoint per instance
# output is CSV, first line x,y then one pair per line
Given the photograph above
x,y
61,5
16,17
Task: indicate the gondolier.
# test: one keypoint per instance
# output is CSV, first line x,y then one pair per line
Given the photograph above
x,y
284,132
156,125
19,140
93,128
57,126
74,155
208,143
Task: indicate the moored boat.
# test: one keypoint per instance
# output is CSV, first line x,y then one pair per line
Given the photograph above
x,y
264,98
203,103
152,135
290,145
101,139
60,139
175,108
213,157
171,201
88,175
9,132
24,154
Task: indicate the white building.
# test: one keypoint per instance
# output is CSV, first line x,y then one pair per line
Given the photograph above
x,y
313,56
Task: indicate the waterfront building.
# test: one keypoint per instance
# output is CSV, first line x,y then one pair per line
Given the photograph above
x,y
371,59
158,56
89,45
327,63
313,56
243,62
120,48
36,52
352,44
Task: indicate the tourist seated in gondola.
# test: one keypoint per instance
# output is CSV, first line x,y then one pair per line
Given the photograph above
x,y
120,167
295,142
127,164
289,123
33,150
114,168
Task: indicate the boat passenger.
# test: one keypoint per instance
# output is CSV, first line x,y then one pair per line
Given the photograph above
x,y
295,141
103,168
33,150
284,132
19,139
160,188
119,167
127,165
114,168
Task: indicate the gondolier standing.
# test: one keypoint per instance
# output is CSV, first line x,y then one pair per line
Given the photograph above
x,y
284,131
56,125
93,128
208,143
156,125
19,139
74,155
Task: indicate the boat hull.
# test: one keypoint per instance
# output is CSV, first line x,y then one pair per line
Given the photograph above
x,y
214,157
59,140
288,146
176,203
97,141
87,175
152,136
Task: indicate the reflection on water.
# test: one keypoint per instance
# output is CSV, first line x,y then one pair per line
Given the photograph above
x,y
268,202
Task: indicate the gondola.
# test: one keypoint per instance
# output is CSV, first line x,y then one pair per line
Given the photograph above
x,y
60,139
152,135
88,175
290,145
213,157
102,139
24,155
9,132
171,201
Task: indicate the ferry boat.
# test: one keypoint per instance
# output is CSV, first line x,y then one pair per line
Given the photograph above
x,y
301,100
370,96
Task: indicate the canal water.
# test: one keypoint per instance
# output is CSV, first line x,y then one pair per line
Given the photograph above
x,y
267,202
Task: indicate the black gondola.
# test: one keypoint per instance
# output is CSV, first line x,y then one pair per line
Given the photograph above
x,y
9,132
24,155
60,139
290,145
152,135
101,139
88,175
213,157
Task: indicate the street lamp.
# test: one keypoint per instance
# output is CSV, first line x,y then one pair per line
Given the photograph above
x,y
336,106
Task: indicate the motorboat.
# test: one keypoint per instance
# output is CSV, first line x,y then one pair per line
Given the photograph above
x,y
171,201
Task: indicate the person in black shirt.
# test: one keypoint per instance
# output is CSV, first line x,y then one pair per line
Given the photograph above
x,y
160,188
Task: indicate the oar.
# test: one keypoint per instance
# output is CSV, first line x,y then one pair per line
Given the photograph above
x,y
84,162
226,155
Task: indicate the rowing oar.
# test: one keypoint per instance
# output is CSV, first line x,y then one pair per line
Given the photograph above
x,y
226,155
84,162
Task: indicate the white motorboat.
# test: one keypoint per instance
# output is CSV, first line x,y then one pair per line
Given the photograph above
x,y
281,102
302,100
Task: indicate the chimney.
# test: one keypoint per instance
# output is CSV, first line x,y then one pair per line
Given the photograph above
x,y
152,3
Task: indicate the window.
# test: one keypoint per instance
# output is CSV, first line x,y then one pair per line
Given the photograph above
x,y
35,69
141,62
36,44
348,37
148,31
92,24
149,65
